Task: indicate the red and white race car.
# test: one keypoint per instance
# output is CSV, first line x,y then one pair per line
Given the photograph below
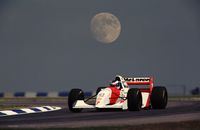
x,y
120,95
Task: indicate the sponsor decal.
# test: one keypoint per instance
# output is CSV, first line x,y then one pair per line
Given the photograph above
x,y
142,79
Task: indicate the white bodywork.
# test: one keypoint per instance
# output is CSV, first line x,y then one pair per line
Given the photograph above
x,y
103,100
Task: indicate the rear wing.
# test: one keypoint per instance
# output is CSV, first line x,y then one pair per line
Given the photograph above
x,y
140,81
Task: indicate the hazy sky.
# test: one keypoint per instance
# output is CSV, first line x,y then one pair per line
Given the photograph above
x,y
46,45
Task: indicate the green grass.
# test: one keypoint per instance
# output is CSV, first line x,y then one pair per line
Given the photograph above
x,y
187,96
33,99
6,103
23,101
9,107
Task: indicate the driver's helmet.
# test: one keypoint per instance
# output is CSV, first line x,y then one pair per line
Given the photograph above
x,y
117,78
117,82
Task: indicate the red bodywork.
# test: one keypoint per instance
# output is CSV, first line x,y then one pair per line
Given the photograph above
x,y
116,92
150,83
146,90
114,95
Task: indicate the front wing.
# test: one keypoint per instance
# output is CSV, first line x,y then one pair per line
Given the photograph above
x,y
121,104
82,104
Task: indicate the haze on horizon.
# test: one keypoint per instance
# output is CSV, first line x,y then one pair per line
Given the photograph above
x,y
47,45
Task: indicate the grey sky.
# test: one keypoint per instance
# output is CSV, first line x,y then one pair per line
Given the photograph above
x,y
46,45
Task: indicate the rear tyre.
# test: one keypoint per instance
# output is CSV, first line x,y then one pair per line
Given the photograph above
x,y
74,95
134,97
159,98
99,89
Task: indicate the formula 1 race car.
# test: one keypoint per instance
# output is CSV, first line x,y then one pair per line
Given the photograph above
x,y
120,95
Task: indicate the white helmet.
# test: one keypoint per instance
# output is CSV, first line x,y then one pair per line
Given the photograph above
x,y
119,78
117,82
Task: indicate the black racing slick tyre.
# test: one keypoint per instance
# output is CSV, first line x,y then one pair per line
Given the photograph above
x,y
74,95
159,98
99,89
134,98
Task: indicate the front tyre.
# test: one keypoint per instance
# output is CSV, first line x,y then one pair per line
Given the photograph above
x,y
159,98
134,98
74,95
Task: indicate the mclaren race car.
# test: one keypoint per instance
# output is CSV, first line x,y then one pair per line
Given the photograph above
x,y
131,94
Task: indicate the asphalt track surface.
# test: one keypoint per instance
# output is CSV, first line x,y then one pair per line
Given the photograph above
x,y
176,111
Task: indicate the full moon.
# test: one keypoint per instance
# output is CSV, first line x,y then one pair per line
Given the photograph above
x,y
105,27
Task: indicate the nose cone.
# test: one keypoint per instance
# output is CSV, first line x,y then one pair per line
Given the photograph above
x,y
103,98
